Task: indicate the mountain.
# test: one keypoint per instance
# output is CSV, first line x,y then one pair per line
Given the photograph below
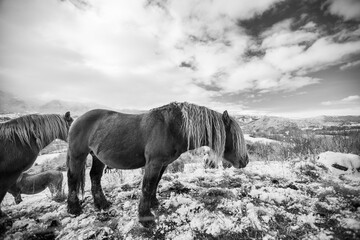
x,y
270,124
75,108
328,121
10,104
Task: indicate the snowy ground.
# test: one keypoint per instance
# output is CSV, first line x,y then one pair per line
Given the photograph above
x,y
273,200
259,139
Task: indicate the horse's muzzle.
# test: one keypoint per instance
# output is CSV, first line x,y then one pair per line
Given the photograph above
x,y
243,162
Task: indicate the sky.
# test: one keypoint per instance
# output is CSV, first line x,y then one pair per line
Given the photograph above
x,y
262,57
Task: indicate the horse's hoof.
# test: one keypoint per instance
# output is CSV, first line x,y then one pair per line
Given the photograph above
x,y
76,210
5,223
103,205
148,221
3,215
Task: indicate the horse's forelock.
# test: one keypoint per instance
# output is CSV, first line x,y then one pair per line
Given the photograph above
x,y
44,128
239,144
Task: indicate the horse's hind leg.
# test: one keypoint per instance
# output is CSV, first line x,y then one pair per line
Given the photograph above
x,y
76,180
96,173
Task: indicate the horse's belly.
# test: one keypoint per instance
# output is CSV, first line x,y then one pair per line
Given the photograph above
x,y
122,160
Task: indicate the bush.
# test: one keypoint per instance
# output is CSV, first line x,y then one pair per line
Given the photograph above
x,y
305,145
176,166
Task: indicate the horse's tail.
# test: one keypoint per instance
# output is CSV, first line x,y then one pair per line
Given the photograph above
x,y
81,184
60,181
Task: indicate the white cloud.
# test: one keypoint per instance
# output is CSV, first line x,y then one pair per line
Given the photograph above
x,y
310,25
350,98
280,34
346,100
285,38
255,74
327,103
324,52
348,9
127,54
350,65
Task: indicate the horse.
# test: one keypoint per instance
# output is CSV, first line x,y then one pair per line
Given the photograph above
x,y
21,140
35,183
153,140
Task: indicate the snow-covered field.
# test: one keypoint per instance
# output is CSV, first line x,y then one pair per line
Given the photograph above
x,y
259,139
272,200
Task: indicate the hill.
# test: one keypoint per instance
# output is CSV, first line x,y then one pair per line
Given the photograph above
x,y
11,104
272,124
58,106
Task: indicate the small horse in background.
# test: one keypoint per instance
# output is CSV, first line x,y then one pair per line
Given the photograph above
x,y
153,139
21,140
35,183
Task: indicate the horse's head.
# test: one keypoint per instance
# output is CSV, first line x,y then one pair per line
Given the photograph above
x,y
68,121
235,147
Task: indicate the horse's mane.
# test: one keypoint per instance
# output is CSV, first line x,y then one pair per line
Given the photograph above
x,y
203,126
44,128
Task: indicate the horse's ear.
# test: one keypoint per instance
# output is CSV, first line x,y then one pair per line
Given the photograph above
x,y
67,116
226,118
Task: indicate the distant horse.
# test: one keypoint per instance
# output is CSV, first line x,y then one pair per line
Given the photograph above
x,y
35,183
21,140
153,139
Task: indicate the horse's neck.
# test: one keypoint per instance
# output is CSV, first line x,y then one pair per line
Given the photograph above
x,y
42,142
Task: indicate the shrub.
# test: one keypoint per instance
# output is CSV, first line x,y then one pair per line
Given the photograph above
x,y
176,166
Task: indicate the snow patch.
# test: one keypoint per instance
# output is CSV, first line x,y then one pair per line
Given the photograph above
x,y
347,160
259,140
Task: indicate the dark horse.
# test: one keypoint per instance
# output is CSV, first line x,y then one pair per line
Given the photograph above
x,y
21,140
35,183
153,139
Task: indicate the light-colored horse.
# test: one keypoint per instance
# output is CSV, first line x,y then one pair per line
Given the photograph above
x,y
35,183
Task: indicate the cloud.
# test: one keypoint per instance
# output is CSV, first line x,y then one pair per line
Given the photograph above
x,y
350,98
350,65
347,100
280,34
323,53
348,9
145,53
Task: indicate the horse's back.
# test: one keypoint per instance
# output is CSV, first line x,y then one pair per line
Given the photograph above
x,y
110,135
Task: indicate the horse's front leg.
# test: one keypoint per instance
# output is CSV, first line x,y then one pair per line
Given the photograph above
x,y
154,201
150,181
96,173
16,192
76,180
